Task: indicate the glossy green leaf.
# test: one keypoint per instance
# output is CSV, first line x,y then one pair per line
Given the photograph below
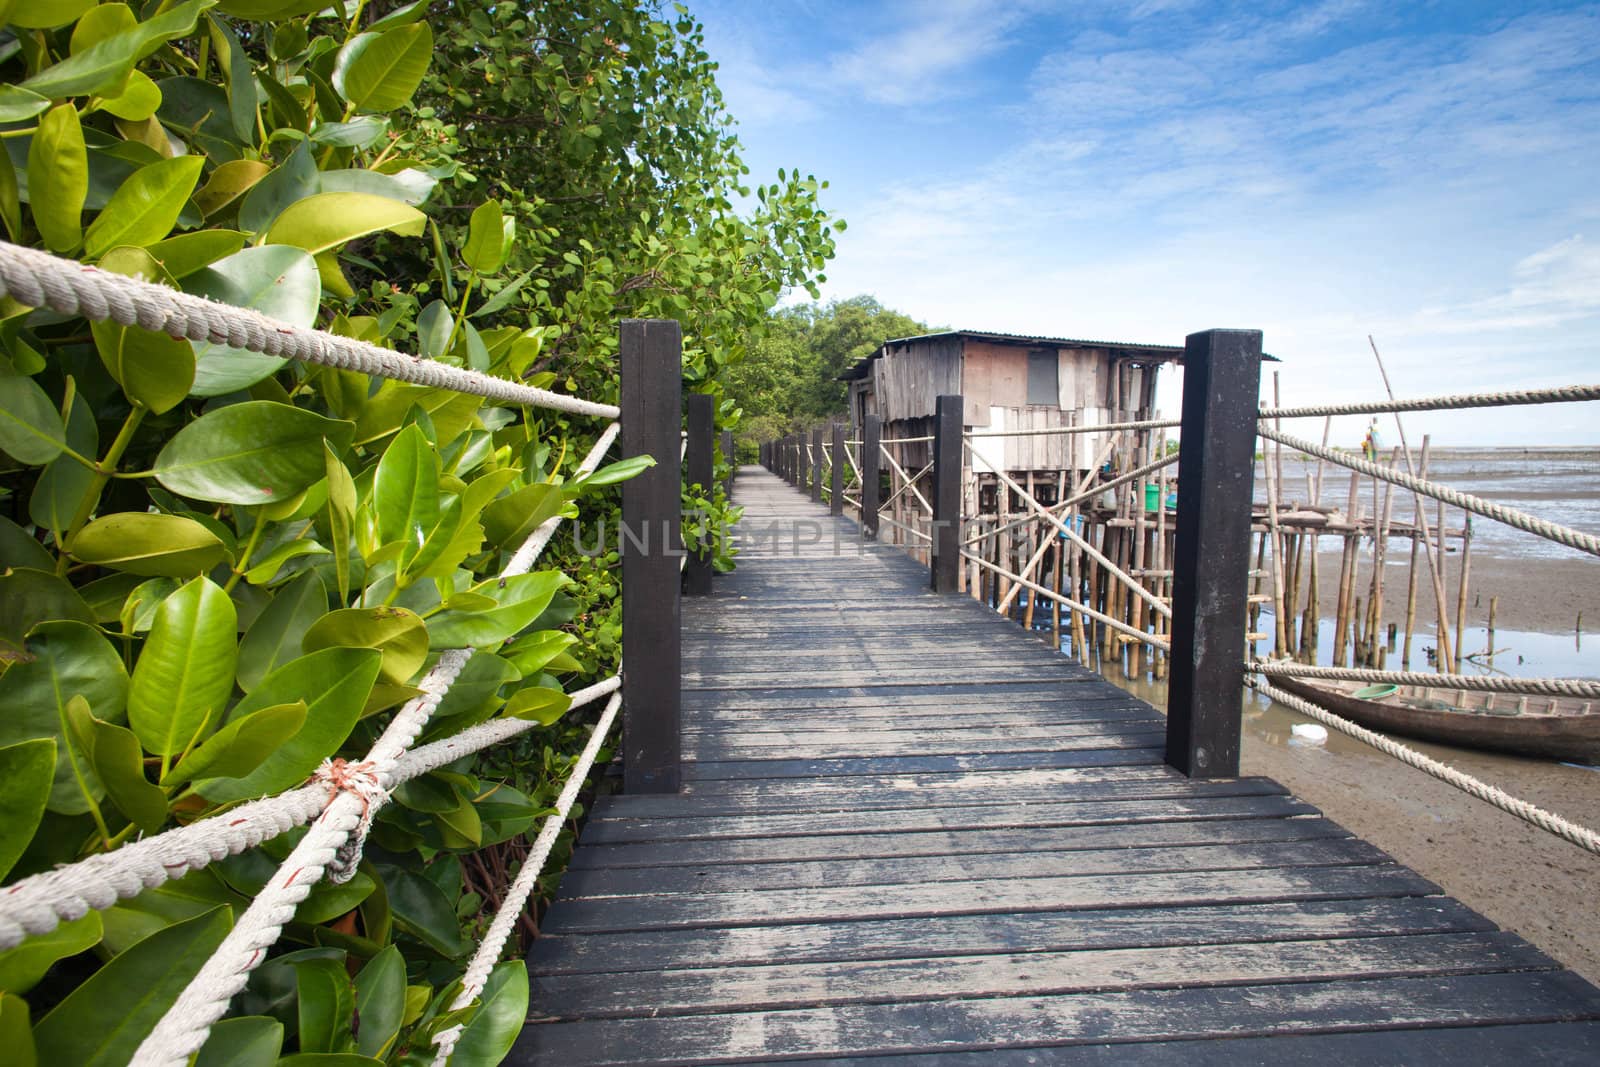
x,y
329,900
380,1002
265,571
509,520
16,1035
521,600
188,252
147,543
409,186
58,178
538,704
256,452
327,220
292,180
503,298
30,597
153,369
26,771
485,249
531,653
19,105
228,183
278,281
69,659
362,132
139,100
185,673
23,966
495,1027
45,14
397,633
102,1021
10,198
137,613
619,471
118,762
333,684
241,79
273,639
105,65
405,492
19,549
101,23
145,207
381,71
30,425
264,10
64,482
422,910
341,511
327,1005
241,746
251,1041
434,326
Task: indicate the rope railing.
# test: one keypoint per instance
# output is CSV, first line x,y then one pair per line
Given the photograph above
x,y
38,279
1058,431
1558,395
1521,520
1582,688
1581,836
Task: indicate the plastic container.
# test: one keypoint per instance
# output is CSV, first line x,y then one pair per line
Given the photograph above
x,y
1375,692
1152,497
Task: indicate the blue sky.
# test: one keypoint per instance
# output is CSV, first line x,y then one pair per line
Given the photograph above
x,y
1428,173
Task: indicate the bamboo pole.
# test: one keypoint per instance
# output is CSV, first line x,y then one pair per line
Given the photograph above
x,y
1280,624
1411,574
1466,577
1445,648
1341,615
1380,560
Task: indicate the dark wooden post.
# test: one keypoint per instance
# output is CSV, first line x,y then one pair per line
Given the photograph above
x,y
1211,563
802,462
871,473
728,454
699,472
836,470
650,543
816,464
946,565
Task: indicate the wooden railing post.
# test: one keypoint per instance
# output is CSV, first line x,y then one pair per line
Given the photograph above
x,y
946,555
1211,564
816,464
871,473
728,457
836,471
650,542
699,471
802,462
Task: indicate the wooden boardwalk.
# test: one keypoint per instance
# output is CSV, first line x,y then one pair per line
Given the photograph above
x,y
912,833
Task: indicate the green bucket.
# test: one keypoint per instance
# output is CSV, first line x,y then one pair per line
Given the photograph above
x,y
1152,497
1375,692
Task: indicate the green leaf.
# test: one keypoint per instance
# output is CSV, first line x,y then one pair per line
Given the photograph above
x,y
485,249
294,179
118,762
274,637
360,132
422,910
256,452
241,746
397,633
150,544
504,297
327,1005
521,600
69,659
531,653
145,206
278,281
409,186
22,967
30,425
333,684
139,100
541,705
341,510
58,178
488,1037
100,24
509,520
380,1002
10,197
434,326
327,220
228,183
102,1021
64,482
19,105
106,64
263,572
241,80
185,673
46,14
405,492
29,597
19,549
153,369
26,770
251,1041
16,1036
381,71
188,252
619,471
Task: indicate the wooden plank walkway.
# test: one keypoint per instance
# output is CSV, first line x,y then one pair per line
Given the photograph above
x,y
911,832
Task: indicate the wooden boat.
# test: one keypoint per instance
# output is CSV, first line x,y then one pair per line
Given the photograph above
x,y
1563,728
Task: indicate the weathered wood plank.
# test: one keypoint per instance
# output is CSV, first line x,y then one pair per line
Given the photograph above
x,y
701,770
1084,1018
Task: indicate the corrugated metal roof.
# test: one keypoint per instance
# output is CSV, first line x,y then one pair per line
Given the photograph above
x,y
859,370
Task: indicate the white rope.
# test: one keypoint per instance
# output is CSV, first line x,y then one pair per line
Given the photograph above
x,y
530,549
1581,836
1560,395
1581,688
1521,520
183,1029
904,440
1054,431
515,902
39,279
